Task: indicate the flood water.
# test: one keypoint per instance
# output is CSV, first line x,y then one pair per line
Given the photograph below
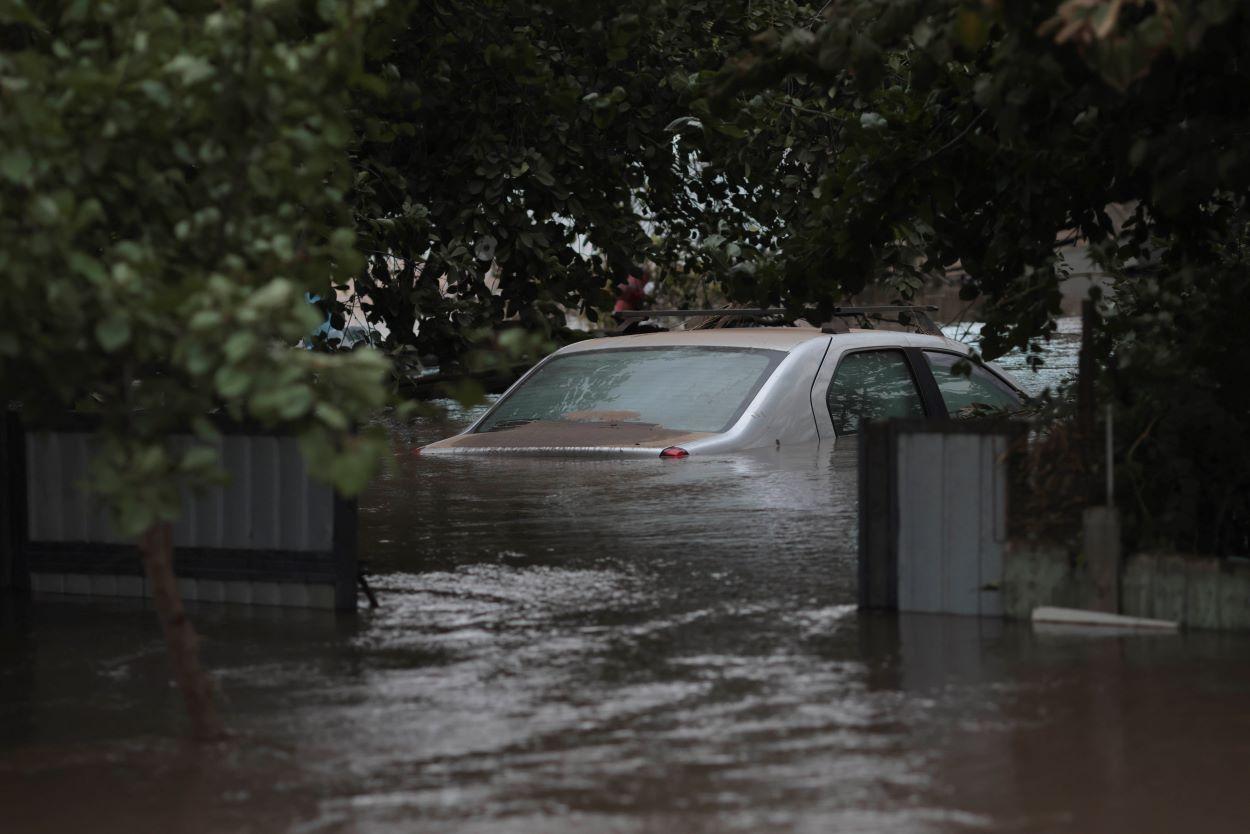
x,y
618,646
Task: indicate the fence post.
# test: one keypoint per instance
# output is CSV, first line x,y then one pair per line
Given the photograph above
x,y
1100,525
1086,407
346,566
12,501
878,517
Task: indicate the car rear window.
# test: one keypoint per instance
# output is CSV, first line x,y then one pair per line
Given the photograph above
x,y
695,389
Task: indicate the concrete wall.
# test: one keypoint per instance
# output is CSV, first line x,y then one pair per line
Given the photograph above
x,y
1197,592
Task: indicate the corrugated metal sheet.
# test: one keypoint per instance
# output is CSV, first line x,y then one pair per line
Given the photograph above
x,y
270,503
951,511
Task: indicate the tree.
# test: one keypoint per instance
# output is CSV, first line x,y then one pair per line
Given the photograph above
x,y
172,181
978,134
519,157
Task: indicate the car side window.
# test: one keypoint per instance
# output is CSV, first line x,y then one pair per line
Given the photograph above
x,y
978,393
872,385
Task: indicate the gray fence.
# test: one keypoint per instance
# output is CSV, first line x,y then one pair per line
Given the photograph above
x,y
933,516
271,536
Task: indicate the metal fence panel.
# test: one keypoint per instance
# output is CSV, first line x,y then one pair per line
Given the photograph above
x,y
933,515
270,535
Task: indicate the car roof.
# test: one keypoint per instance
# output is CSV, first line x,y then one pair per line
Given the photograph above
x,y
767,338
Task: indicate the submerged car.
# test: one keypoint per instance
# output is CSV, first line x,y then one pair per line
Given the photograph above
x,y
728,389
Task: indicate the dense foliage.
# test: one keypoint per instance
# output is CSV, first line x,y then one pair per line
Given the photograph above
x,y
963,134
518,158
977,134
172,180
1175,359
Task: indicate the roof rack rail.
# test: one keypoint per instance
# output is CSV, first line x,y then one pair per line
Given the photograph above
x,y
885,308
634,321
744,312
919,313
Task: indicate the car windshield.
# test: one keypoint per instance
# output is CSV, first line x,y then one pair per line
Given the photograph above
x,y
694,389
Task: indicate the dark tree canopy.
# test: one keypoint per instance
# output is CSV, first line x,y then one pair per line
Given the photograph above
x,y
979,134
518,157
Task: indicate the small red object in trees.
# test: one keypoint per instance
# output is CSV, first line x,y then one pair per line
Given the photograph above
x,y
631,294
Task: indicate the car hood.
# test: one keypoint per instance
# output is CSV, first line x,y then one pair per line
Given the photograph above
x,y
562,436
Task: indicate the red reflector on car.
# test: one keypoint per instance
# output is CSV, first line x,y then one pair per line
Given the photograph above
x,y
417,450
674,452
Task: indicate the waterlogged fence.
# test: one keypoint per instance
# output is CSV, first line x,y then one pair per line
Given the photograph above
x,y
270,536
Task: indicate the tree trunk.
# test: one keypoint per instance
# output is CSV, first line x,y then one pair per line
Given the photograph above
x,y
156,545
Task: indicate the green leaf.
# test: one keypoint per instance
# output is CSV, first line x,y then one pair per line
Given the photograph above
x,y
231,381
342,239
276,293
205,320
294,401
332,417
112,332
240,344
88,267
191,68
15,164
355,465
156,91
199,458
197,359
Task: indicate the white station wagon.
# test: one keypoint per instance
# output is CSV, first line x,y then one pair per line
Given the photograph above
x,y
729,389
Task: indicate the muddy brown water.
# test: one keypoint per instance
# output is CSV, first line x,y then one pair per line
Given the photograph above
x,y
618,646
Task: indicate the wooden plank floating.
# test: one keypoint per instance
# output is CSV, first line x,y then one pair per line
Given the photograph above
x,y
1100,619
